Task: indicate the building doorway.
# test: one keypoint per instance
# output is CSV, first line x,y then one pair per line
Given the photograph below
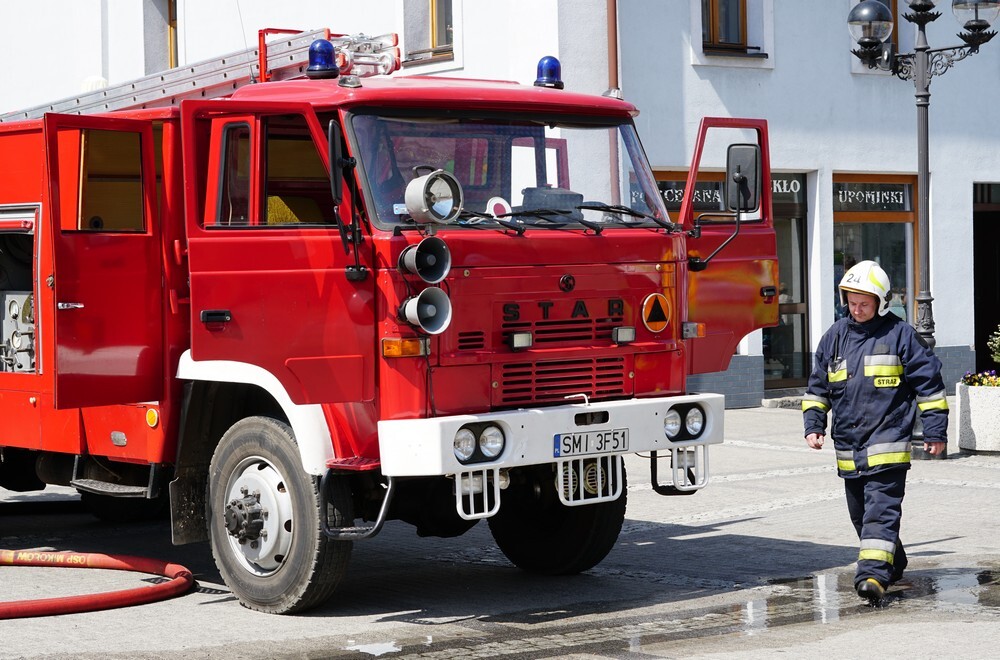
x,y
986,269
786,351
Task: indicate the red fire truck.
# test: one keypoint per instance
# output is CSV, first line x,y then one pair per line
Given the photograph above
x,y
295,298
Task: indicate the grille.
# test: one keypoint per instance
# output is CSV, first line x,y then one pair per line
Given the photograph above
x,y
546,382
565,330
471,341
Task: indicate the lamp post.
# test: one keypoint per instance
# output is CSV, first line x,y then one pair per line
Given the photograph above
x,y
870,23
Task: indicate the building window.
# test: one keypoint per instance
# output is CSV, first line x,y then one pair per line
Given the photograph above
x,y
873,218
428,31
735,33
894,37
724,24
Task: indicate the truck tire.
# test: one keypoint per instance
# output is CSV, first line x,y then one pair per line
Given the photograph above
x,y
539,534
271,550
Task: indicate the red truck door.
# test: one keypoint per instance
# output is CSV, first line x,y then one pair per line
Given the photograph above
x,y
269,283
736,292
107,274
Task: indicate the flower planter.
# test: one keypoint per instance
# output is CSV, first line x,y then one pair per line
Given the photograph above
x,y
978,417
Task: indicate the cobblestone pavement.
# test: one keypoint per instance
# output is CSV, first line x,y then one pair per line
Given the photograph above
x,y
757,565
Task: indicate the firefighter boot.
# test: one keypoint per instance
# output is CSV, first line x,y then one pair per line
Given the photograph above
x,y
871,589
899,564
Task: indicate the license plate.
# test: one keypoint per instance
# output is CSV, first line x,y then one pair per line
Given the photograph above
x,y
590,442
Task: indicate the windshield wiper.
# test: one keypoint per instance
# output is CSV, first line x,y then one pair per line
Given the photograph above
x,y
543,215
626,210
479,220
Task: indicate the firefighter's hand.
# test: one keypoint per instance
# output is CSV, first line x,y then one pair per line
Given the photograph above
x,y
815,440
935,448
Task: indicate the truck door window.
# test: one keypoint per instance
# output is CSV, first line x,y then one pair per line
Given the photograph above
x,y
110,187
296,185
234,193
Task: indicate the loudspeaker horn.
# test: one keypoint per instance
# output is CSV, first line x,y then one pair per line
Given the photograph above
x,y
429,310
430,260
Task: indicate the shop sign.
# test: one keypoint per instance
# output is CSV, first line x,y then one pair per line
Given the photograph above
x,y
788,188
872,197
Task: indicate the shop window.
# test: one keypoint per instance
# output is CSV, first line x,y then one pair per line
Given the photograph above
x,y
873,219
428,31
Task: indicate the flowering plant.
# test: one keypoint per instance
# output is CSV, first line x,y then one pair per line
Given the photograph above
x,y
993,343
985,378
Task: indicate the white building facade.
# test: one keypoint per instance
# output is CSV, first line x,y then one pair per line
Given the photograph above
x,y
843,138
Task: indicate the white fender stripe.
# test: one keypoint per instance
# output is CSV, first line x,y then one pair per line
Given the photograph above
x,y
307,421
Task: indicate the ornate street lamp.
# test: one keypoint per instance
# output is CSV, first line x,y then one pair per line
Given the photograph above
x,y
870,23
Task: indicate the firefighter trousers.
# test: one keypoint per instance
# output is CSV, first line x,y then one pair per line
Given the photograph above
x,y
875,503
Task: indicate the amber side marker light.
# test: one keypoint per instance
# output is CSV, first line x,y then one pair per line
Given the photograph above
x,y
692,330
394,347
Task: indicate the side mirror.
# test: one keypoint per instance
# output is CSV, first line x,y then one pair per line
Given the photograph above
x,y
743,177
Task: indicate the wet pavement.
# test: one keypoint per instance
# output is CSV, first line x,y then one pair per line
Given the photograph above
x,y
759,564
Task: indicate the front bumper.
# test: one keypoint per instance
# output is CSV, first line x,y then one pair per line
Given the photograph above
x,y
424,447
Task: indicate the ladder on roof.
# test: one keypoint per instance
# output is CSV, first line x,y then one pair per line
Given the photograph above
x,y
283,59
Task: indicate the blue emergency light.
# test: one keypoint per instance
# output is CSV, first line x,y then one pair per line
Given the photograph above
x,y
549,73
322,60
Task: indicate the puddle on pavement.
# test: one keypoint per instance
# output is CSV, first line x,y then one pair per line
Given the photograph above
x,y
819,599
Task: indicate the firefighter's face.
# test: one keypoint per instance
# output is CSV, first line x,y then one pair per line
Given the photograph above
x,y
862,306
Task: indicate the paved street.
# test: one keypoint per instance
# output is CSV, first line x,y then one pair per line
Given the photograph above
x,y
757,565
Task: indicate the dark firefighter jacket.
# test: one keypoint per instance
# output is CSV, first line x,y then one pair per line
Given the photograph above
x,y
873,376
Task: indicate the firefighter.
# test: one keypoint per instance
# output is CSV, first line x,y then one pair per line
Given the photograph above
x,y
874,372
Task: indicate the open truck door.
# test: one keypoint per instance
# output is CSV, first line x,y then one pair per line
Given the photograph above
x,y
107,274
732,279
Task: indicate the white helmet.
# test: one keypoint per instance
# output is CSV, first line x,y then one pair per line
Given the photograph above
x,y
867,277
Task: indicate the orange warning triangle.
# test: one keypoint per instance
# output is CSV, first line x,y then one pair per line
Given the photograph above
x,y
655,312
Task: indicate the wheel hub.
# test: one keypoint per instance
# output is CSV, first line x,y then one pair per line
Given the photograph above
x,y
245,517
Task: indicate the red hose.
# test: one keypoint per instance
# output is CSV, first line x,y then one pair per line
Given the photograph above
x,y
180,581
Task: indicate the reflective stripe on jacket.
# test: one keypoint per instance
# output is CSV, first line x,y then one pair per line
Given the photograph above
x,y
874,377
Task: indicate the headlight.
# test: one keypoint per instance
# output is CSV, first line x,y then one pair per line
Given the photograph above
x,y
491,442
465,444
694,422
672,423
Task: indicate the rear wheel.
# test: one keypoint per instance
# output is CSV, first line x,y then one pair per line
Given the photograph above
x,y
541,535
265,520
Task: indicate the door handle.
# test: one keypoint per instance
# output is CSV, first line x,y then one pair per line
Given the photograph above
x,y
69,305
216,316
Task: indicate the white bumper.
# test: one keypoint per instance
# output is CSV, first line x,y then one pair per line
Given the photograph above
x,y
424,447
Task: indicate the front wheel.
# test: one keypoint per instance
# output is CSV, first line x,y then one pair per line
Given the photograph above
x,y
265,520
538,533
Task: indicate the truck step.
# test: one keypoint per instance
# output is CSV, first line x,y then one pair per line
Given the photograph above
x,y
108,488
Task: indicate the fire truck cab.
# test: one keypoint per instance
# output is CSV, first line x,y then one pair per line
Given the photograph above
x,y
305,307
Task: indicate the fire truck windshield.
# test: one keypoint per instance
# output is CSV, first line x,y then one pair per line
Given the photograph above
x,y
515,173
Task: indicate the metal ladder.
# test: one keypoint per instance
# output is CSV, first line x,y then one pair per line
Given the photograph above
x,y
282,59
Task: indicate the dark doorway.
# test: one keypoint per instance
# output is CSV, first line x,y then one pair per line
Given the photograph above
x,y
986,269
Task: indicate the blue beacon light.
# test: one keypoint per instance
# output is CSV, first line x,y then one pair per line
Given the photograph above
x,y
549,73
322,60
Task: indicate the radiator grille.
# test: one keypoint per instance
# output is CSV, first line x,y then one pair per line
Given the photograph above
x,y
565,330
471,341
523,383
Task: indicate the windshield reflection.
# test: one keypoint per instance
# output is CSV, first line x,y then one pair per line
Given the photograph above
x,y
514,174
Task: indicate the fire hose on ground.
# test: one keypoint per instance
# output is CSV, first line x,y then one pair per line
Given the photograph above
x,y
179,581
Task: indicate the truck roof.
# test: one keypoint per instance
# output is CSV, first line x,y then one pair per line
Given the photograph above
x,y
421,91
